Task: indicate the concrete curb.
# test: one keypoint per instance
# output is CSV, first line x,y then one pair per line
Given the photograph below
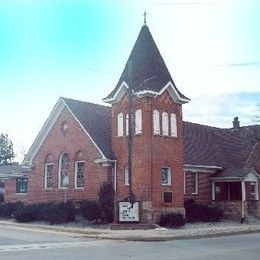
x,y
114,235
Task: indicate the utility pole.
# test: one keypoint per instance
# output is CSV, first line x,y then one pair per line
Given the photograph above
x,y
130,131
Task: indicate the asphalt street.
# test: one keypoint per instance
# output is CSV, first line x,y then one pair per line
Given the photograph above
x,y
24,244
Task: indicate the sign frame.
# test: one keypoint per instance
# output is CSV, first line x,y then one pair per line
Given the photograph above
x,y
120,212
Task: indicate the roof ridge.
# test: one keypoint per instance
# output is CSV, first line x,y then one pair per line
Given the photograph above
x,y
86,102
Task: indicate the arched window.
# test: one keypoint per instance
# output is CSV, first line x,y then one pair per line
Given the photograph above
x,y
165,123
48,172
79,170
138,121
173,125
120,124
64,170
126,124
156,122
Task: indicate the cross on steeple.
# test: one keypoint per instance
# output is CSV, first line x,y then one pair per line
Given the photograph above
x,y
144,17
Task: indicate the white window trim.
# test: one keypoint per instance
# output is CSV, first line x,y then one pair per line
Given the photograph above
x,y
196,183
126,176
174,125
138,121
156,122
45,176
59,179
169,183
120,124
126,125
165,124
75,175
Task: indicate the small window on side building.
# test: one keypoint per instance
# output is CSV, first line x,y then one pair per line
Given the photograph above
x,y
126,176
21,185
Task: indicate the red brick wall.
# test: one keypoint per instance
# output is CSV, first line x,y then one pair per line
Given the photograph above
x,y
150,152
10,194
204,187
55,144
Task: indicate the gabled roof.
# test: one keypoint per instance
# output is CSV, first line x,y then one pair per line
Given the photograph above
x,y
149,72
205,145
234,173
96,121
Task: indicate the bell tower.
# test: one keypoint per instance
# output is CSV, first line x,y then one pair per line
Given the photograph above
x,y
155,177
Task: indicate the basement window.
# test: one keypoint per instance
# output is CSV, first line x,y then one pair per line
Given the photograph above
x,y
167,197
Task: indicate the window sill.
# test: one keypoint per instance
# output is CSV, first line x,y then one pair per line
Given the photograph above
x,y
166,136
21,193
79,188
166,185
195,193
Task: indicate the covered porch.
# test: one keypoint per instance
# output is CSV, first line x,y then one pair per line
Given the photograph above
x,y
236,192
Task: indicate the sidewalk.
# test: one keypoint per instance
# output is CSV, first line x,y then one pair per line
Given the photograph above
x,y
200,230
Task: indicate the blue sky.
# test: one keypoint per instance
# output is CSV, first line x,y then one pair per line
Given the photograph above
x,y
78,49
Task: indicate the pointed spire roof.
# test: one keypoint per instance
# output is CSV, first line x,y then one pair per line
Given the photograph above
x,y
149,72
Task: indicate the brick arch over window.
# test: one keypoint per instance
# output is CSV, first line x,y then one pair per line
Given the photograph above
x,y
63,170
79,170
48,172
80,156
49,159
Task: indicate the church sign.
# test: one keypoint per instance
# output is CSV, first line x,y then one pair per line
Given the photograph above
x,y
128,212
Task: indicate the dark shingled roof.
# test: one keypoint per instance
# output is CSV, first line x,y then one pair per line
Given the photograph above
x,y
205,145
11,169
96,120
149,69
232,172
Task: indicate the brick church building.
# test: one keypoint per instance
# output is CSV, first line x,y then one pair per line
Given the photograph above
x,y
82,145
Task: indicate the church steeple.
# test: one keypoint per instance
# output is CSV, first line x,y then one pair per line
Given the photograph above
x,y
149,75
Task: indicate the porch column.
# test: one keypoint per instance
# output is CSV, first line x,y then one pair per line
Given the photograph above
x,y
243,188
213,190
243,191
256,191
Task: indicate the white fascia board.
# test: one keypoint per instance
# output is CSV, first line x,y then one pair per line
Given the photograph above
x,y
171,89
43,133
201,168
226,179
88,135
174,93
118,95
12,175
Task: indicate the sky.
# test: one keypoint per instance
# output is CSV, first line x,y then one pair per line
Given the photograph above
x,y
78,49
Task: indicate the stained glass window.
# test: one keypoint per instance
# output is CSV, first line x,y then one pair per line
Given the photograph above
x,y
79,174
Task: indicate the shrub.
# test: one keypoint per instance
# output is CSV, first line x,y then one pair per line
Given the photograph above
x,y
7,209
172,220
2,198
199,212
54,213
60,213
27,213
106,202
90,210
